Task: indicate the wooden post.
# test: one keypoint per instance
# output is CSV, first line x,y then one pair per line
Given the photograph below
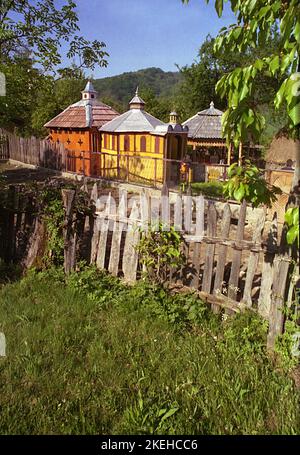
x,y
210,249
104,226
237,254
68,197
222,253
240,153
229,150
253,260
268,269
165,207
130,256
118,227
199,232
276,319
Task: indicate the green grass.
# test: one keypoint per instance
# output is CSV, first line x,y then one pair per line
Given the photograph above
x,y
93,356
213,189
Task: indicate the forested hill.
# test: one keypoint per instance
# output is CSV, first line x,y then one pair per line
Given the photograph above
x,y
121,88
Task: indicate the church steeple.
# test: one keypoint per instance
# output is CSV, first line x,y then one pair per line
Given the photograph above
x,y
89,93
137,102
173,118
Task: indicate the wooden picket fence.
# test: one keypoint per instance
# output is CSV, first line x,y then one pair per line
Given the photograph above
x,y
227,270
33,151
209,271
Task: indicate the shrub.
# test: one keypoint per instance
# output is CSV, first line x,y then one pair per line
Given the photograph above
x,y
213,189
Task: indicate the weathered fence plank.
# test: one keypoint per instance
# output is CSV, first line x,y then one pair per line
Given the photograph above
x,y
118,228
267,272
279,288
197,245
222,254
100,261
130,256
237,254
210,249
68,197
253,261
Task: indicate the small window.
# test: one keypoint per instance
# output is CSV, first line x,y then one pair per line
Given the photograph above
x,y
157,145
105,141
126,143
92,96
113,142
143,144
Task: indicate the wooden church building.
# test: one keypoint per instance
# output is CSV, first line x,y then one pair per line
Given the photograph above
x,y
77,128
136,145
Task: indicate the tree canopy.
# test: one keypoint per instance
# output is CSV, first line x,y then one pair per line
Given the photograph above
x,y
41,27
255,20
197,89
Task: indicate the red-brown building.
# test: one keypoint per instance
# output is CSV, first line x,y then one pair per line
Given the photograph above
x,y
77,128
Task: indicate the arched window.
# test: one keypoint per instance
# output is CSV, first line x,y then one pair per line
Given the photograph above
x,y
143,144
126,143
157,145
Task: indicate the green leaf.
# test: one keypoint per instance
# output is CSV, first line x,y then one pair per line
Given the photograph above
x,y
169,414
259,64
294,114
239,193
292,234
219,7
274,64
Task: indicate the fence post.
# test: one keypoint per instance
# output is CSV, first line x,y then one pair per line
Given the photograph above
x,y
276,319
68,197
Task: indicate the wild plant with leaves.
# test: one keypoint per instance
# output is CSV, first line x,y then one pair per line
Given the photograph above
x,y
247,183
160,250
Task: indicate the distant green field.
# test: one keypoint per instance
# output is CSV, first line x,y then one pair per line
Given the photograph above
x,y
93,356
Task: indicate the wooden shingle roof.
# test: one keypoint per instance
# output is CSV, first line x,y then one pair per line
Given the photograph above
x,y
205,124
83,114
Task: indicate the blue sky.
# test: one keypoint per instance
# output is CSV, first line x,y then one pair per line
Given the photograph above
x,y
143,33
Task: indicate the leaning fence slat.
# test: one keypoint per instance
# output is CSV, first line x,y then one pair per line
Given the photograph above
x,y
100,261
130,256
95,239
95,225
165,206
118,228
237,254
253,261
197,245
94,193
210,249
188,212
222,253
144,204
178,213
276,319
68,197
268,268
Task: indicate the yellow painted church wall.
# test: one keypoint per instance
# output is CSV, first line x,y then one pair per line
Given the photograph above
x,y
143,166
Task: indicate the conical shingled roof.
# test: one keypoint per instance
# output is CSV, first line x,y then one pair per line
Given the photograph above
x,y
205,124
86,113
135,120
89,88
